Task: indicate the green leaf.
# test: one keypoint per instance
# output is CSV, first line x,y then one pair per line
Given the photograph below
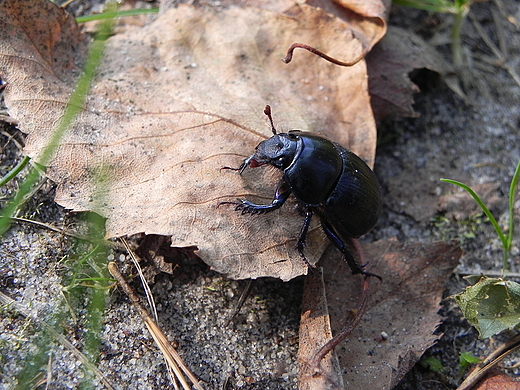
x,y
466,359
491,305
433,364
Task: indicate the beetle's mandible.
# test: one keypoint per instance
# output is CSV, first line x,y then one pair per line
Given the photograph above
x,y
326,179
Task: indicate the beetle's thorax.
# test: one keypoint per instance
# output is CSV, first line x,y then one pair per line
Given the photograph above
x,y
281,150
315,170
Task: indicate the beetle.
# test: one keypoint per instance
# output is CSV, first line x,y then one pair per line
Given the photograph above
x,y
326,179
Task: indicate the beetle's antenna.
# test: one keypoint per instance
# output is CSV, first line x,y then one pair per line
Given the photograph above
x,y
267,111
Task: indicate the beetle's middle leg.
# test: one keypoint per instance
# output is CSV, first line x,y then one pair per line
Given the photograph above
x,y
300,244
338,243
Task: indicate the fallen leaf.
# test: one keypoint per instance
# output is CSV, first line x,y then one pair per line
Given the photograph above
x,y
159,255
404,307
315,331
389,65
367,19
491,305
174,102
497,380
41,52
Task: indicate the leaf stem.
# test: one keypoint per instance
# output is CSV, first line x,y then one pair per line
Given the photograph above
x,y
456,45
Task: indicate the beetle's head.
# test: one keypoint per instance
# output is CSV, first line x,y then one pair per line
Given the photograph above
x,y
279,151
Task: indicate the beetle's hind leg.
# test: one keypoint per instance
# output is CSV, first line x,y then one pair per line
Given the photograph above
x,y
338,243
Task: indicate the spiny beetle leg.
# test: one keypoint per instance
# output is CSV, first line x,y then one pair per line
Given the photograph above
x,y
338,242
246,207
300,244
244,165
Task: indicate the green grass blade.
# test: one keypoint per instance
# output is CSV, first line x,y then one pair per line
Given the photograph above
x,y
483,207
440,6
118,14
73,108
93,292
15,171
512,190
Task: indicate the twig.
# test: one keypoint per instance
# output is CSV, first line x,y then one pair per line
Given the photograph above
x,y
10,137
171,355
149,298
491,272
146,286
243,296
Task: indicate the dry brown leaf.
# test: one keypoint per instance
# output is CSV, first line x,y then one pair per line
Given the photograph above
x,y
40,49
315,331
389,65
366,19
404,306
497,380
173,103
159,255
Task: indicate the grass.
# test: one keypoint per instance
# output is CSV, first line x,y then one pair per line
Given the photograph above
x,y
85,289
506,237
458,8
116,14
492,305
85,280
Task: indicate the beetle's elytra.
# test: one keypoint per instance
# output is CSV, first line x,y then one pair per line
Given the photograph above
x,y
326,179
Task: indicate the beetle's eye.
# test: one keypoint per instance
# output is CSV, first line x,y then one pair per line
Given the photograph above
x,y
279,162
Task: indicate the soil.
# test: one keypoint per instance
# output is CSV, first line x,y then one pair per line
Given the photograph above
x,y
472,138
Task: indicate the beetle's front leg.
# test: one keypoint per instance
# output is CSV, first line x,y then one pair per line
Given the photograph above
x,y
246,207
244,165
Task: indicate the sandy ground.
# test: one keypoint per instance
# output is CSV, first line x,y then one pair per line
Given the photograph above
x,y
474,140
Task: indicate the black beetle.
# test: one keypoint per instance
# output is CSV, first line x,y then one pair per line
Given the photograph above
x,y
326,179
